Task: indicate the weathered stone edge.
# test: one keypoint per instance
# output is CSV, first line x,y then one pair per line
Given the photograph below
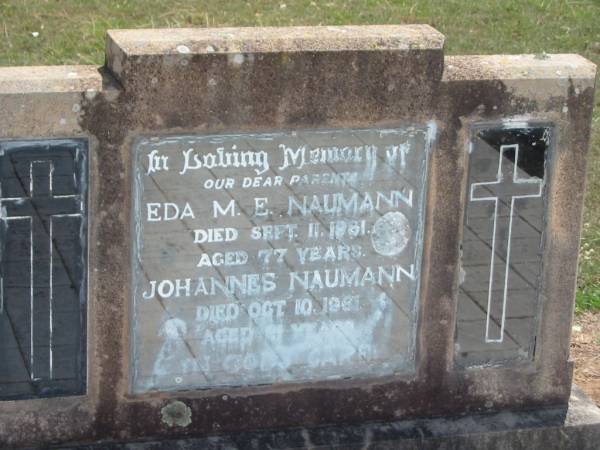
x,y
518,67
37,79
50,79
577,427
274,39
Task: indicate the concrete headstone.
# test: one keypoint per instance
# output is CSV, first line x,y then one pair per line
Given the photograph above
x,y
234,230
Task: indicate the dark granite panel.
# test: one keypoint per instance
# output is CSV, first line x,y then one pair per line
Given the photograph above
x,y
502,245
43,264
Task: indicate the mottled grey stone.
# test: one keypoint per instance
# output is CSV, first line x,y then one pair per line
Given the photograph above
x,y
576,427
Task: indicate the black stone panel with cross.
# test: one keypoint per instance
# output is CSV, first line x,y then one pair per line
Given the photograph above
x,y
502,244
43,265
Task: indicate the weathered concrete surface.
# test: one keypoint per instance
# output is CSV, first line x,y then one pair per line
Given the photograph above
x,y
198,92
518,67
28,80
274,39
501,93
574,428
175,46
45,103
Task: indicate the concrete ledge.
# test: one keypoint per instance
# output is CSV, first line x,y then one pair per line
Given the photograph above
x,y
273,39
576,428
515,67
36,79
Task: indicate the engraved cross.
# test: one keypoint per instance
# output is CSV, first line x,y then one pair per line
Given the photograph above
x,y
32,215
507,188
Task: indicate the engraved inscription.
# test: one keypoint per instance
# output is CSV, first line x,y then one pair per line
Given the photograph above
x,y
42,268
507,188
502,240
265,258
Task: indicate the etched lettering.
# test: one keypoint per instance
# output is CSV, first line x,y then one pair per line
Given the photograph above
x,y
275,257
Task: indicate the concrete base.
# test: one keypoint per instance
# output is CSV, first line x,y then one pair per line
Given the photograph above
x,y
577,428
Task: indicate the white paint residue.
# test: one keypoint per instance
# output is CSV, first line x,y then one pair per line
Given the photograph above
x,y
340,342
531,187
183,49
174,356
327,343
237,59
391,233
516,122
90,94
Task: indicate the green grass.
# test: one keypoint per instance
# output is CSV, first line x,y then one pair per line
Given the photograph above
x,y
588,293
72,31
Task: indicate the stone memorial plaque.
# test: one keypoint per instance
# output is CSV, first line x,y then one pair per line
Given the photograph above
x,y
265,258
43,264
502,245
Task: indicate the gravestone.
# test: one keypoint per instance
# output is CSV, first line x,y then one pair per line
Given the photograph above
x,y
238,230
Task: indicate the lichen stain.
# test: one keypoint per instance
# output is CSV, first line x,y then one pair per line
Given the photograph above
x,y
176,414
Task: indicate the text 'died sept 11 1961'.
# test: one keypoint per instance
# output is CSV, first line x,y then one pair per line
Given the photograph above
x,y
264,258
